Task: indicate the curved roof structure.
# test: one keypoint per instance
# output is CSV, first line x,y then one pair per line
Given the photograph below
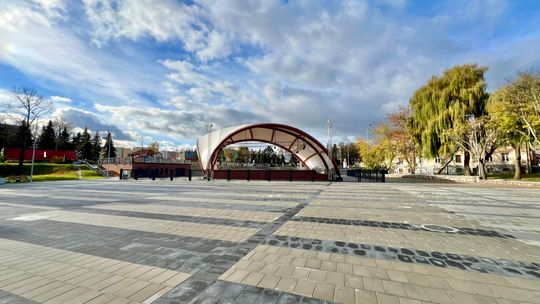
x,y
301,145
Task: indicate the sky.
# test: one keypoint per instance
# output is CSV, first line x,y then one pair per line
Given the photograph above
x,y
163,70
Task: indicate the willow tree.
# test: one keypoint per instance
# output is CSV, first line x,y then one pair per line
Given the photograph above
x,y
440,107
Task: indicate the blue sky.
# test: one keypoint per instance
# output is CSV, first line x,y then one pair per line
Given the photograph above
x,y
164,69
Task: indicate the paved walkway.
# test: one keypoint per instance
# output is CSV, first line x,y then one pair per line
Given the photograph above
x,y
268,242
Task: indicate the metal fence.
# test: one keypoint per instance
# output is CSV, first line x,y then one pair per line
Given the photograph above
x,y
368,175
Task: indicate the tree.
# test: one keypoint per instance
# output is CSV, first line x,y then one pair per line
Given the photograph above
x,y
154,148
515,110
398,137
243,155
27,106
96,147
109,143
479,137
63,140
371,155
83,144
440,106
47,138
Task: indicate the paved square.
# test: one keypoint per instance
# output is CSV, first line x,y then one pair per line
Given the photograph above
x,y
268,242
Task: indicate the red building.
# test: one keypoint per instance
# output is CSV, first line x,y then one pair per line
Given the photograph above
x,y
40,155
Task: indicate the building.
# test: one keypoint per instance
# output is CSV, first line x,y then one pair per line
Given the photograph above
x,y
501,161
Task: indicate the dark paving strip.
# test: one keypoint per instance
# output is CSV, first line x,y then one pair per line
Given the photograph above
x,y
186,254
226,292
178,218
439,259
395,225
203,284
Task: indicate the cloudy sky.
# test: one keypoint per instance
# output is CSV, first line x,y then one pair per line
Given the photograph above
x,y
163,69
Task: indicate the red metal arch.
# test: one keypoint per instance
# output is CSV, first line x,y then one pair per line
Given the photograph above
x,y
297,133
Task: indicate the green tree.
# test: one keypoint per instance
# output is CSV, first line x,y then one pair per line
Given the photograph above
x,y
440,107
109,143
371,156
85,146
515,109
96,147
47,138
63,140
243,155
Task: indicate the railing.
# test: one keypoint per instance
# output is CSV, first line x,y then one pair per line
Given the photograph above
x,y
368,175
95,168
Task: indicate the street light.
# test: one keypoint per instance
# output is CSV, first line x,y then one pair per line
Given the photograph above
x,y
367,133
209,164
330,124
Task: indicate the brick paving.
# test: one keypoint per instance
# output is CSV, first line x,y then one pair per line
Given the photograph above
x,y
261,242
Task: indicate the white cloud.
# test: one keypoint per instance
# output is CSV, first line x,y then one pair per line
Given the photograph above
x,y
61,99
231,62
40,46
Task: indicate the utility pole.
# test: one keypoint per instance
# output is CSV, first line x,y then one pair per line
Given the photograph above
x,y
330,124
209,164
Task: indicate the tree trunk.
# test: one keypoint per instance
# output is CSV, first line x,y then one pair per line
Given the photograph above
x,y
448,161
517,161
466,163
19,169
529,158
482,168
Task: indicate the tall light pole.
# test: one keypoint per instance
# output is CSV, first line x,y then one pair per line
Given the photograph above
x,y
367,133
330,125
209,164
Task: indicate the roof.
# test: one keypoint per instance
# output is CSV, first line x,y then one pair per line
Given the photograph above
x,y
303,146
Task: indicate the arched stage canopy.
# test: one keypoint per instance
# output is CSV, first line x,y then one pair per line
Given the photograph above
x,y
301,145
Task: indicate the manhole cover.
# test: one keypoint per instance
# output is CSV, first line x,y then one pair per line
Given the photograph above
x,y
439,228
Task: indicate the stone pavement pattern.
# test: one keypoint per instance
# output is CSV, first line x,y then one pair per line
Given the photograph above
x,y
261,242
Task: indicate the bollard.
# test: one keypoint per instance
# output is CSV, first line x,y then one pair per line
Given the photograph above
x,y
135,174
269,175
248,174
189,175
121,173
312,175
359,175
290,175
172,175
228,175
383,179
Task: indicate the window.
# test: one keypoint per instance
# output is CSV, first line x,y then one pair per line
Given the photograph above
x,y
489,158
458,158
437,160
504,157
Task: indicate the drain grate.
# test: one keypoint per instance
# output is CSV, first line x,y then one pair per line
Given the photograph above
x,y
438,228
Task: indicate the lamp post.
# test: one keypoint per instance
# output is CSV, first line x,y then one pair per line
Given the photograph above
x,y
330,124
209,164
367,133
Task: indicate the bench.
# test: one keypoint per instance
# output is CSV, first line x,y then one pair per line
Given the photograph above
x,y
17,179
